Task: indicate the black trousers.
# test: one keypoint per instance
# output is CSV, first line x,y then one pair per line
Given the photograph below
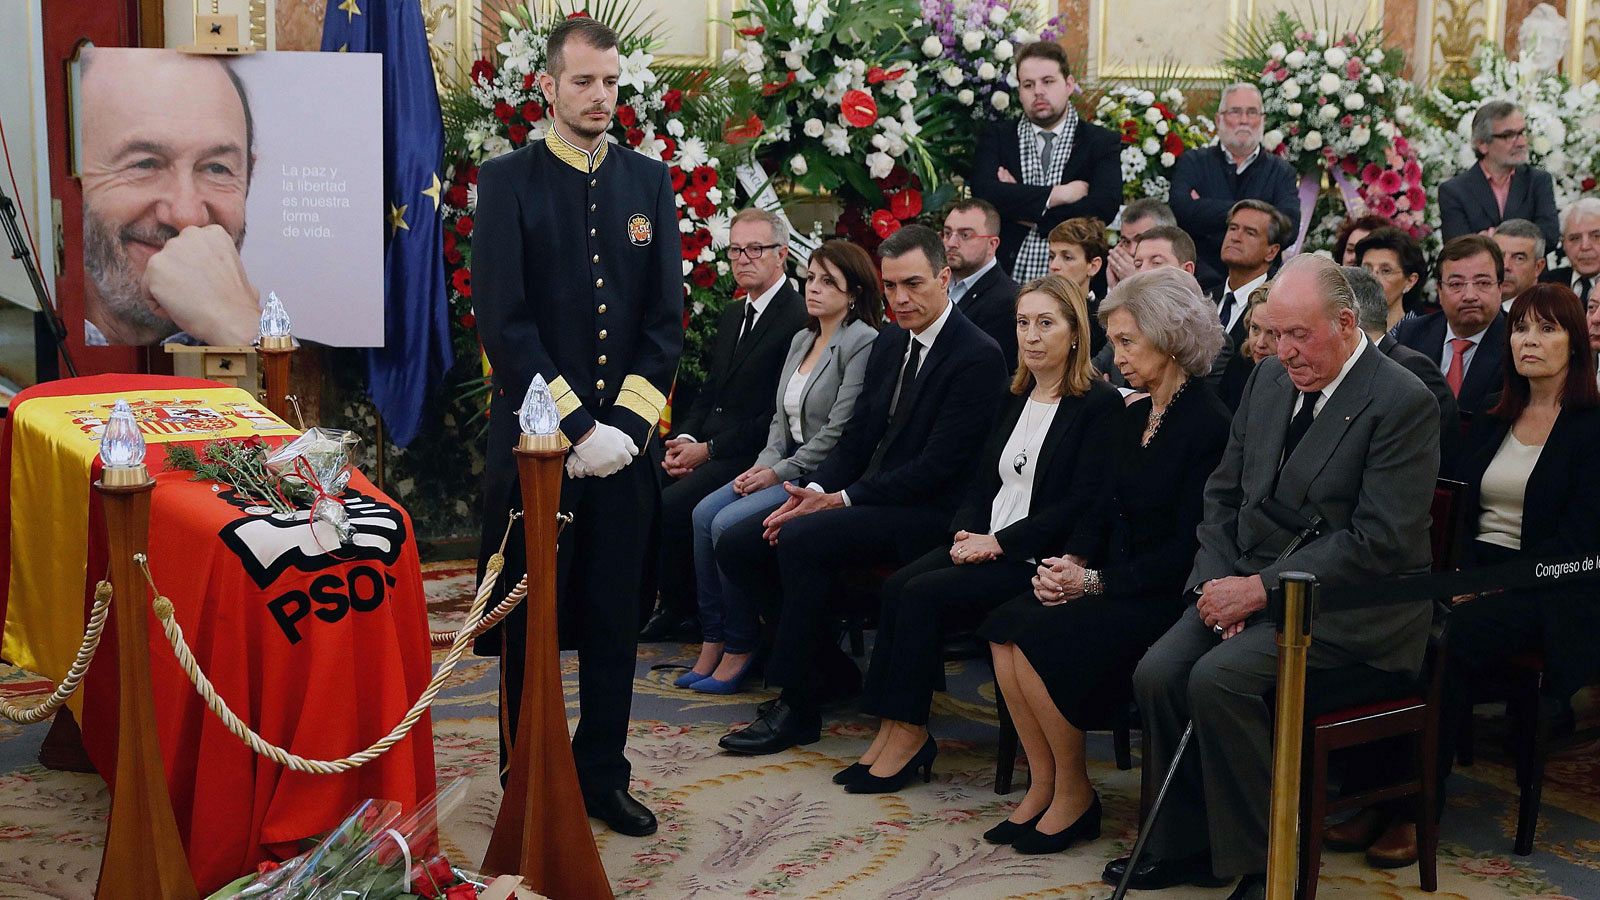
x,y
675,559
598,565
792,581
923,602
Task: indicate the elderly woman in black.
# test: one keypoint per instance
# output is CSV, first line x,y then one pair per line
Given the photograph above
x,y
1042,466
1065,651
1533,492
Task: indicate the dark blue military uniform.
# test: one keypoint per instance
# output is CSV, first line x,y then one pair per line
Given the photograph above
x,y
577,276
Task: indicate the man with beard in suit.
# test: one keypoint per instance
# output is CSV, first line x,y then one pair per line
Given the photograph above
x,y
1502,185
979,286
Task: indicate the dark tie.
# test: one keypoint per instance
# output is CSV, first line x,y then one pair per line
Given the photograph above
x,y
1301,423
1227,309
1046,151
749,323
908,374
1584,286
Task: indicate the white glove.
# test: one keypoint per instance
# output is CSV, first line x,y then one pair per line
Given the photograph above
x,y
576,468
604,452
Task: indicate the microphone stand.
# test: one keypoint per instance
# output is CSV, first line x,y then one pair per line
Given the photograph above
x,y
49,318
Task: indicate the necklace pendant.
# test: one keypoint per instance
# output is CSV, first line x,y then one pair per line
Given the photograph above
x,y
1019,461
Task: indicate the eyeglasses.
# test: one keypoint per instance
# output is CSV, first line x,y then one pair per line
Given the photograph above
x,y
963,234
752,251
1242,112
1509,135
1457,285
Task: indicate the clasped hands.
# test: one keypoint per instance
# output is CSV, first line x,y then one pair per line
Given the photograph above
x,y
1228,602
801,502
1058,580
604,451
970,548
684,455
755,478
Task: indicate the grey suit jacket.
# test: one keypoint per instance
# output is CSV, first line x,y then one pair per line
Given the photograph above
x,y
825,403
1367,466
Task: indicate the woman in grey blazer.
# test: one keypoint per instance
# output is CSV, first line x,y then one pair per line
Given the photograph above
x,y
821,378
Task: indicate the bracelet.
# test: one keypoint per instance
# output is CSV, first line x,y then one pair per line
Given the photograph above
x,y
1091,582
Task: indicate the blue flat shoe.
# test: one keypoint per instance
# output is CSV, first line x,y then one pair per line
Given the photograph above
x,y
689,679
731,686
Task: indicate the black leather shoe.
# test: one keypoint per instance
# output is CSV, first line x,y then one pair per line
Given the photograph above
x,y
1008,831
1087,828
776,730
669,625
1156,874
1250,887
621,813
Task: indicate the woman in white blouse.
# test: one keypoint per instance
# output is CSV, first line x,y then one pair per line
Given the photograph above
x,y
817,391
1042,465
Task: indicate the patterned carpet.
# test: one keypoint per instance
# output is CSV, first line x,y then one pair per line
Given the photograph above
x,y
775,826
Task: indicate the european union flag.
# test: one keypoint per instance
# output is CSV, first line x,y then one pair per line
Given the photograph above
x,y
416,348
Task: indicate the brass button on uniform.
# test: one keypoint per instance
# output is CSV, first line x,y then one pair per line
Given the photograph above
x,y
600,385
599,282
602,359
596,258
602,308
602,334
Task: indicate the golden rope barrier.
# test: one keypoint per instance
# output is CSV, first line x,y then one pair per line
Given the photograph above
x,y
218,706
29,714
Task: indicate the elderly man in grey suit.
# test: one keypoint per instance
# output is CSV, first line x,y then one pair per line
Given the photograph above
x,y
1331,429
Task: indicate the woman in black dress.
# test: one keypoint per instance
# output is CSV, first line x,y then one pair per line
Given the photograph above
x,y
1042,465
1064,652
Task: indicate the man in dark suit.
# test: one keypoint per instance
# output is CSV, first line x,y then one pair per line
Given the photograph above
x,y
979,286
1208,181
1580,240
1330,429
1502,185
1522,249
1466,337
726,426
884,495
1256,234
1047,167
578,279
1372,315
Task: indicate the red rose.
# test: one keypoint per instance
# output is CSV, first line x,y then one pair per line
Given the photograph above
x,y
452,256
528,81
669,148
456,195
472,175
753,31
461,892
859,108
1173,144
634,136
1130,131
468,320
518,134
462,282
1350,165
503,111
482,71
532,112
767,90
672,100
464,226
748,130
1165,113
703,276
679,179
884,223
627,116
1587,184
906,204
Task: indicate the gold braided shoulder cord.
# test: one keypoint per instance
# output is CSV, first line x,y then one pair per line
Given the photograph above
x,y
28,714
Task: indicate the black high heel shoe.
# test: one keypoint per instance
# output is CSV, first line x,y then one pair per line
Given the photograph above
x,y
1008,831
850,773
1087,828
922,763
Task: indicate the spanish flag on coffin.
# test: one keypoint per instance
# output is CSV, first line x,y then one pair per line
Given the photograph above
x,y
320,652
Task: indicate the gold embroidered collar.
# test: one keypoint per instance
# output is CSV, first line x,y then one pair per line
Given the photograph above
x,y
574,156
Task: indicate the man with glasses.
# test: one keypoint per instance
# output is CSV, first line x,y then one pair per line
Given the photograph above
x,y
1047,167
979,287
1580,240
726,425
1502,185
1208,181
1467,336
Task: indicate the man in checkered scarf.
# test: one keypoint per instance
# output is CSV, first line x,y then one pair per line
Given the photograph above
x,y
1048,166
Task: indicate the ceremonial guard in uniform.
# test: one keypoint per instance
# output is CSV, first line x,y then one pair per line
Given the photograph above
x,y
577,278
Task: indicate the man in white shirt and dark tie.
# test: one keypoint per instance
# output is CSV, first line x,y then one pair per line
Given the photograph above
x,y
1256,233
979,286
1467,334
1580,240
